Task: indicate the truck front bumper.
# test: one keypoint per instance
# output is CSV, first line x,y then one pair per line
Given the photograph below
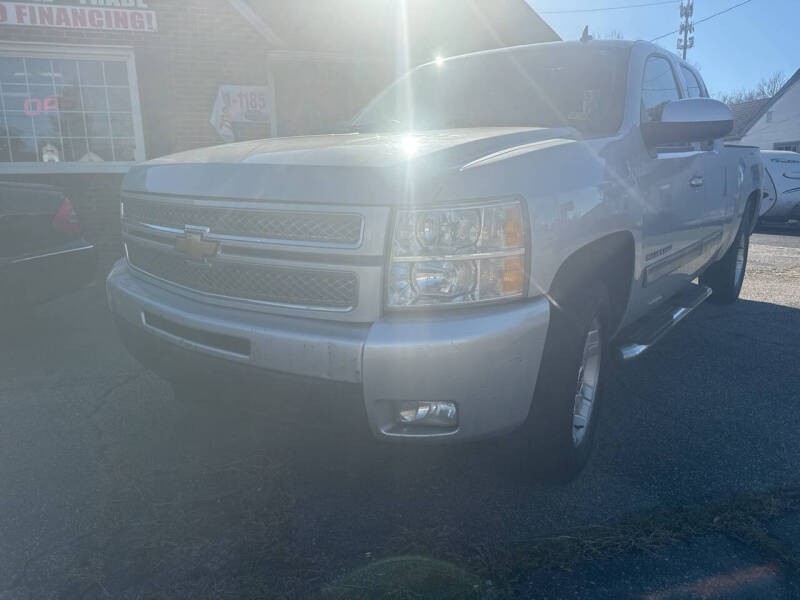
x,y
485,360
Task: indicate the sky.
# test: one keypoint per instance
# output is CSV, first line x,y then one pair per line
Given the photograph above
x,y
732,51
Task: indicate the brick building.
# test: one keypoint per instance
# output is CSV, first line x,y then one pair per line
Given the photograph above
x,y
89,87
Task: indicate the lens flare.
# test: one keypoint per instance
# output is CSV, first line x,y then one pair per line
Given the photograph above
x,y
410,145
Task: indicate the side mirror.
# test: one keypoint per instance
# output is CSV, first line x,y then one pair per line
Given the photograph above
x,y
689,120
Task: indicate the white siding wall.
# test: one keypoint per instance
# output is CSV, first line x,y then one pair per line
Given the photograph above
x,y
785,125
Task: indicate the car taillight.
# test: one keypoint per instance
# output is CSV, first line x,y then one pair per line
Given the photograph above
x,y
66,219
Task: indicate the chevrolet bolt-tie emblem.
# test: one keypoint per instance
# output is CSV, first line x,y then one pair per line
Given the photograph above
x,y
194,245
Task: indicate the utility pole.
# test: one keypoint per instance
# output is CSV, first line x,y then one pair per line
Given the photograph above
x,y
687,27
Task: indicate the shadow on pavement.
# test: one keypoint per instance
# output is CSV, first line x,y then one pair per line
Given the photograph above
x,y
252,497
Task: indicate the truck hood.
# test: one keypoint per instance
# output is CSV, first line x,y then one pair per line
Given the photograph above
x,y
342,169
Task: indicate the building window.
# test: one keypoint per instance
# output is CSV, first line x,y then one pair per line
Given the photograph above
x,y
769,116
68,106
790,146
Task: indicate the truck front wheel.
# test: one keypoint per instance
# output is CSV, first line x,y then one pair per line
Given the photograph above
x,y
561,426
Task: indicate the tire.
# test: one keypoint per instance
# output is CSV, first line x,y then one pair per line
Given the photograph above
x,y
576,351
725,277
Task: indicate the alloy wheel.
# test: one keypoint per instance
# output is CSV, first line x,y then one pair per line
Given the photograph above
x,y
588,380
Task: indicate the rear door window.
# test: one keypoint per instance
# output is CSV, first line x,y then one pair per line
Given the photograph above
x,y
693,86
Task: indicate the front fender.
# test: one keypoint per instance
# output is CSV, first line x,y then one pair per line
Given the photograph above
x,y
576,192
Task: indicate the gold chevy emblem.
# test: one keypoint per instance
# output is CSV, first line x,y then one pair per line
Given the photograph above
x,y
194,244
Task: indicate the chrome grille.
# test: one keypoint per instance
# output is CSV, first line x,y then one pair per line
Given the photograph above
x,y
262,283
308,227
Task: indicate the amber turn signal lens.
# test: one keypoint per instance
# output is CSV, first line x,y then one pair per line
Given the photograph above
x,y
512,275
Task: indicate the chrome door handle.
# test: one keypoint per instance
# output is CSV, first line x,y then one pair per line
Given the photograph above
x,y
696,181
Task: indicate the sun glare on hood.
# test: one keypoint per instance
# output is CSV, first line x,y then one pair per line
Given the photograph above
x,y
410,145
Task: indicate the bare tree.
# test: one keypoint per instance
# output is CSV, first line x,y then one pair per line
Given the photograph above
x,y
769,86
766,88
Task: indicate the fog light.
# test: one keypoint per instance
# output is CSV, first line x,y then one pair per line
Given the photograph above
x,y
430,414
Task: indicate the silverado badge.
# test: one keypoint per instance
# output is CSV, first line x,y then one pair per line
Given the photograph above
x,y
194,245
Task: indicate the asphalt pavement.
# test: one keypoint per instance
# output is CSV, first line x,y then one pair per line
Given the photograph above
x,y
112,488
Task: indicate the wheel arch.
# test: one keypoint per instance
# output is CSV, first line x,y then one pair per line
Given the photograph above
x,y
612,258
751,209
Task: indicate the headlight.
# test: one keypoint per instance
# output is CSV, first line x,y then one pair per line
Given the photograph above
x,y
462,255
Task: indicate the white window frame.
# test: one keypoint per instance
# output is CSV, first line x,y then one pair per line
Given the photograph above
x,y
94,52
784,145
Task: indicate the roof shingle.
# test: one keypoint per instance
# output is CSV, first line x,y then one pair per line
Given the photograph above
x,y
744,113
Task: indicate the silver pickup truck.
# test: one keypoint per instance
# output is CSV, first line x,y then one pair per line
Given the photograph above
x,y
496,231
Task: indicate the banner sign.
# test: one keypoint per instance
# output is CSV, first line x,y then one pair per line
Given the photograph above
x,y
93,16
242,112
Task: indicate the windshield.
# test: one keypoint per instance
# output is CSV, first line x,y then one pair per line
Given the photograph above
x,y
542,86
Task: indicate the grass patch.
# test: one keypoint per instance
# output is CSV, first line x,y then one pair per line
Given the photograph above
x,y
496,570
741,518
402,577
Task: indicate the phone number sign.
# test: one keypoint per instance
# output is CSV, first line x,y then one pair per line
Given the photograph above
x,y
78,17
244,104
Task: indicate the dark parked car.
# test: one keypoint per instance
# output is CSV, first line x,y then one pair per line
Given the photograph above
x,y
42,251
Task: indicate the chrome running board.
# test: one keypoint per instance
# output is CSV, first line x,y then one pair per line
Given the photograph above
x,y
645,333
